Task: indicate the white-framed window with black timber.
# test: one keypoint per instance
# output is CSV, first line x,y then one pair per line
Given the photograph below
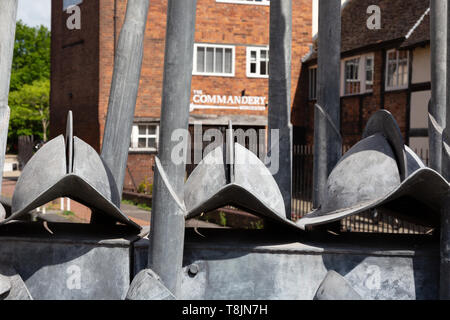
x,y
369,64
257,2
312,73
68,3
397,69
357,75
214,60
144,137
258,62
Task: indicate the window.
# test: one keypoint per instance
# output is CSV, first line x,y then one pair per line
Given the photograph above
x,y
258,2
68,3
352,83
313,83
144,137
369,73
214,60
358,75
397,72
257,62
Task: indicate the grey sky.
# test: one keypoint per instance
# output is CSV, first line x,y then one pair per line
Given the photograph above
x,y
35,12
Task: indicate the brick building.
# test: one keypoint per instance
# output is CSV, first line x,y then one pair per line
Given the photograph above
x,y
230,76
386,68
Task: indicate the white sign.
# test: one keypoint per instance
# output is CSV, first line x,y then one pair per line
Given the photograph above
x,y
206,101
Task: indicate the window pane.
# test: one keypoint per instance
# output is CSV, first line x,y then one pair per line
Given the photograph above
x,y
253,55
209,59
142,130
252,67
263,70
200,59
228,61
152,143
263,54
392,75
142,143
152,130
219,60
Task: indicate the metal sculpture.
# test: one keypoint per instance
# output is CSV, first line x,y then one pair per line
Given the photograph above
x,y
279,117
378,171
335,287
67,167
12,287
243,182
8,15
167,220
437,106
327,137
124,91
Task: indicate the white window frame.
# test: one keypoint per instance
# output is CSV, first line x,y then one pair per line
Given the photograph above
x,y
213,74
135,137
386,82
250,2
258,62
312,89
361,74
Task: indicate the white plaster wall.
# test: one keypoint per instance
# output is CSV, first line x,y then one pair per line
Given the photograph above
x,y
419,109
421,65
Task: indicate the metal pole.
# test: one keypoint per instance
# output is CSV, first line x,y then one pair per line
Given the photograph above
x,y
8,13
280,93
445,250
167,220
445,164
327,139
124,90
445,211
438,81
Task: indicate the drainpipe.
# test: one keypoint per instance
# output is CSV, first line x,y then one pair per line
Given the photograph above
x,y
327,138
437,107
167,219
8,15
280,94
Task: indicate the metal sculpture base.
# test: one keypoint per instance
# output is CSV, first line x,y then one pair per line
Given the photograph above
x,y
240,265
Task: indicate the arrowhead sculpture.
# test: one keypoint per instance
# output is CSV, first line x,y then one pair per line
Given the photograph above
x,y
380,171
67,167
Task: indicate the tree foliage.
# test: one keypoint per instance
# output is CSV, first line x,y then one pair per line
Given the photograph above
x,y
30,110
29,97
31,55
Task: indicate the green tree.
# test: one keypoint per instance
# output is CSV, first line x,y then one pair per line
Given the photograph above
x,y
29,97
31,55
30,107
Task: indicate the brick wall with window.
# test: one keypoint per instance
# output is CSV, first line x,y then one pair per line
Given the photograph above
x,y
225,29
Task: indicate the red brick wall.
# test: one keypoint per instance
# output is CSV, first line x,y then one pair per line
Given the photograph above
x,y
74,73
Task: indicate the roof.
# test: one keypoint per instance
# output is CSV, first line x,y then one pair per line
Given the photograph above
x,y
406,23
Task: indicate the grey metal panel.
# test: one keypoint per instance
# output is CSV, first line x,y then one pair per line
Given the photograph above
x,y
43,171
74,263
234,265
